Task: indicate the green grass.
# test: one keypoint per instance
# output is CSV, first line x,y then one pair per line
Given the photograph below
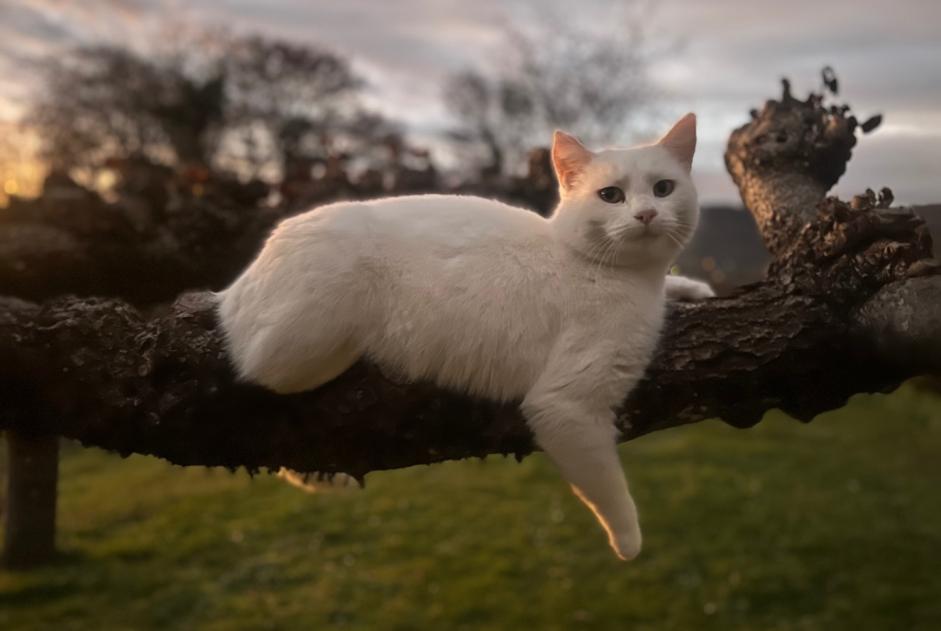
x,y
833,525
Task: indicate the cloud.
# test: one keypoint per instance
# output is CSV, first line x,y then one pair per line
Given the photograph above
x,y
731,56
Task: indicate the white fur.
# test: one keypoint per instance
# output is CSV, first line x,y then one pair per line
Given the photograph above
x,y
484,298
681,288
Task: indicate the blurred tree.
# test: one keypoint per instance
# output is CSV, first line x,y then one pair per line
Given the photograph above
x,y
289,104
554,73
251,106
102,102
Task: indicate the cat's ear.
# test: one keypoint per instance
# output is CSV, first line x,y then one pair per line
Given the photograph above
x,y
680,141
569,158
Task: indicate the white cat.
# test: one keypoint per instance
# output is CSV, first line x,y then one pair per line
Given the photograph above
x,y
562,314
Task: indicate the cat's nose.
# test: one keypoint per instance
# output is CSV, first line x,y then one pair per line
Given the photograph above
x,y
645,216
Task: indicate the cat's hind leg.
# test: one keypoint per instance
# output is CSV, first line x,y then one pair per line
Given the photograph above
x,y
297,370
296,318
290,341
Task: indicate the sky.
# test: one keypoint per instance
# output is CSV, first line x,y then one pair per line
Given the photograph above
x,y
722,58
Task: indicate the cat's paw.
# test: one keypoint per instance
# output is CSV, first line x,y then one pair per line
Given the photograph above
x,y
687,289
699,291
626,547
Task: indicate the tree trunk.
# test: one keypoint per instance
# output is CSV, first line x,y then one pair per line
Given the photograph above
x,y
32,477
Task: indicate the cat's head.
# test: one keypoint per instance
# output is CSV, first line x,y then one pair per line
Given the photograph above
x,y
627,207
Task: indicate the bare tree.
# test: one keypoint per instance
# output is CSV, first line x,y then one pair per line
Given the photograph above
x,y
248,105
101,102
553,73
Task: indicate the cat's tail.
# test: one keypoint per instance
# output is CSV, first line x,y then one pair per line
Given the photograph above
x,y
318,482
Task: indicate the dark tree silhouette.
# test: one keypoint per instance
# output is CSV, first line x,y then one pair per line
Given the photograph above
x,y
103,102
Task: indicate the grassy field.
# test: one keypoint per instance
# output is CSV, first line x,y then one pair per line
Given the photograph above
x,y
835,525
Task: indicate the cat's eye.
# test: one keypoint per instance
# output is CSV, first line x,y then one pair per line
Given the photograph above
x,y
663,188
611,194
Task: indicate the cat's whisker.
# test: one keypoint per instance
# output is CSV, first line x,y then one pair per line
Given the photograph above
x,y
678,239
596,248
611,247
675,224
595,254
674,238
619,233
612,253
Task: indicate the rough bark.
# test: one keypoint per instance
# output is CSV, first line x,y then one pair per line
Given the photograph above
x,y
903,322
103,373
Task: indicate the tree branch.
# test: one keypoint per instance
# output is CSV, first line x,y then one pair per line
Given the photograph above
x,y
786,159
101,372
903,323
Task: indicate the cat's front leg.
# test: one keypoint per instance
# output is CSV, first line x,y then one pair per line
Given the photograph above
x,y
582,443
683,288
